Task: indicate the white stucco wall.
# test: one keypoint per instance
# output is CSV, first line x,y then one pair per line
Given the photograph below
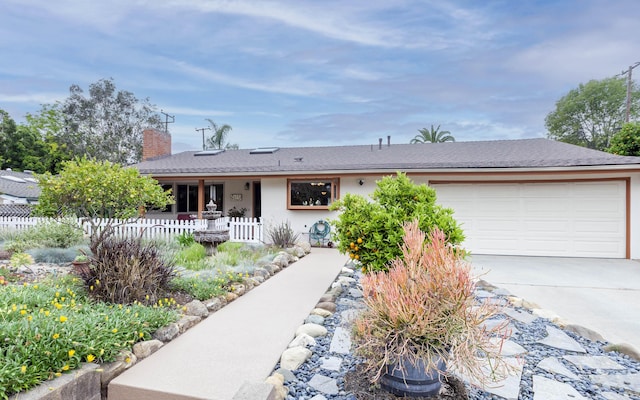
x,y
236,187
274,197
635,217
274,203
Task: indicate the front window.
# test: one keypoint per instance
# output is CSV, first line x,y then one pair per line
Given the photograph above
x,y
187,197
312,193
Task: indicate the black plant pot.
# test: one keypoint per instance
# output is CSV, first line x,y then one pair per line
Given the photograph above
x,y
408,380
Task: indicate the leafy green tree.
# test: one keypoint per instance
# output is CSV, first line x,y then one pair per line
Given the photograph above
x,y
107,125
25,150
371,231
7,129
48,124
589,115
21,148
101,192
433,135
218,139
627,141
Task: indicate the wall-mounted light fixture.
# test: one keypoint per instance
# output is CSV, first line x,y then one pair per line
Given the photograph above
x,y
247,186
361,182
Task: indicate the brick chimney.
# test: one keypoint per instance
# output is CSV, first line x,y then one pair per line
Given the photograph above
x,y
155,144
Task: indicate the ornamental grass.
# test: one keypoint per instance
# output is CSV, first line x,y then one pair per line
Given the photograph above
x,y
424,308
49,328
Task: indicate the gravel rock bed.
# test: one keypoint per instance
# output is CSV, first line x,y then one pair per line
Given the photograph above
x,y
528,336
525,334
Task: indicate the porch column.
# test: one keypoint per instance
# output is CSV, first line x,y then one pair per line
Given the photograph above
x,y
200,198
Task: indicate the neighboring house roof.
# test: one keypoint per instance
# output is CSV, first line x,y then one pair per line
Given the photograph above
x,y
20,185
525,153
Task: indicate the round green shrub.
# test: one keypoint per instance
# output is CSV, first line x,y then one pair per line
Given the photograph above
x,y
371,231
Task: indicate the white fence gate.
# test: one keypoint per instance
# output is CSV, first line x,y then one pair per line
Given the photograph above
x,y
248,230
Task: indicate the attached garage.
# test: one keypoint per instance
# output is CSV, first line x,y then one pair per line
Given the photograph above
x,y
566,219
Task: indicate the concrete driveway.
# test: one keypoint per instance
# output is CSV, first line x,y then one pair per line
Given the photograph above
x,y
599,294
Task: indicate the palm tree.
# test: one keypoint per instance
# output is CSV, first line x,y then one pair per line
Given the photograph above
x,y
433,136
218,139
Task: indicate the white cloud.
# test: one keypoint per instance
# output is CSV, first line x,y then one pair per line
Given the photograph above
x,y
293,84
333,20
196,112
33,98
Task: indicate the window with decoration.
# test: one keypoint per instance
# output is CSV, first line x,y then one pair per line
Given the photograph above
x,y
312,193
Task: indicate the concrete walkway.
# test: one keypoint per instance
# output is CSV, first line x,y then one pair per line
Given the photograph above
x,y
600,294
241,342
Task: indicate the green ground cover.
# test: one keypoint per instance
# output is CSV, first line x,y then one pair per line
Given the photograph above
x,y
50,326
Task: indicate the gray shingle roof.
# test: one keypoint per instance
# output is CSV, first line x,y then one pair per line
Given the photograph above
x,y
19,184
525,153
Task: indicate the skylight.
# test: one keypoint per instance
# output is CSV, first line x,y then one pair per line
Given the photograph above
x,y
264,150
209,152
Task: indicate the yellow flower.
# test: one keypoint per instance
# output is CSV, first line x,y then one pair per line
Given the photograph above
x,y
30,318
23,369
141,335
63,318
56,335
91,288
58,374
71,353
58,305
114,330
23,312
46,313
90,358
127,360
66,367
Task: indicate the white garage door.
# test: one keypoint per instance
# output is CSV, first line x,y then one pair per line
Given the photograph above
x,y
577,219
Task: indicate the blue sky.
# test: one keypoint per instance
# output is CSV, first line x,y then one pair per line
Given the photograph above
x,y
313,73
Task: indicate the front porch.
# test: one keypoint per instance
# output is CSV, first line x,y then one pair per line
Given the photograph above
x,y
239,198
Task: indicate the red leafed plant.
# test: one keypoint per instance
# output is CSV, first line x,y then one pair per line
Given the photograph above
x,y
424,308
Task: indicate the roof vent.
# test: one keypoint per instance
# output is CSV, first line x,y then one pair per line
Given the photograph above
x,y
209,152
297,159
264,150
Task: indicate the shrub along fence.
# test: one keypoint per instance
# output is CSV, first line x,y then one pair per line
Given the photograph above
x,y
248,230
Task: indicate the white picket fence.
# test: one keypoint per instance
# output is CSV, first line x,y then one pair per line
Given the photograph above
x,y
248,230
